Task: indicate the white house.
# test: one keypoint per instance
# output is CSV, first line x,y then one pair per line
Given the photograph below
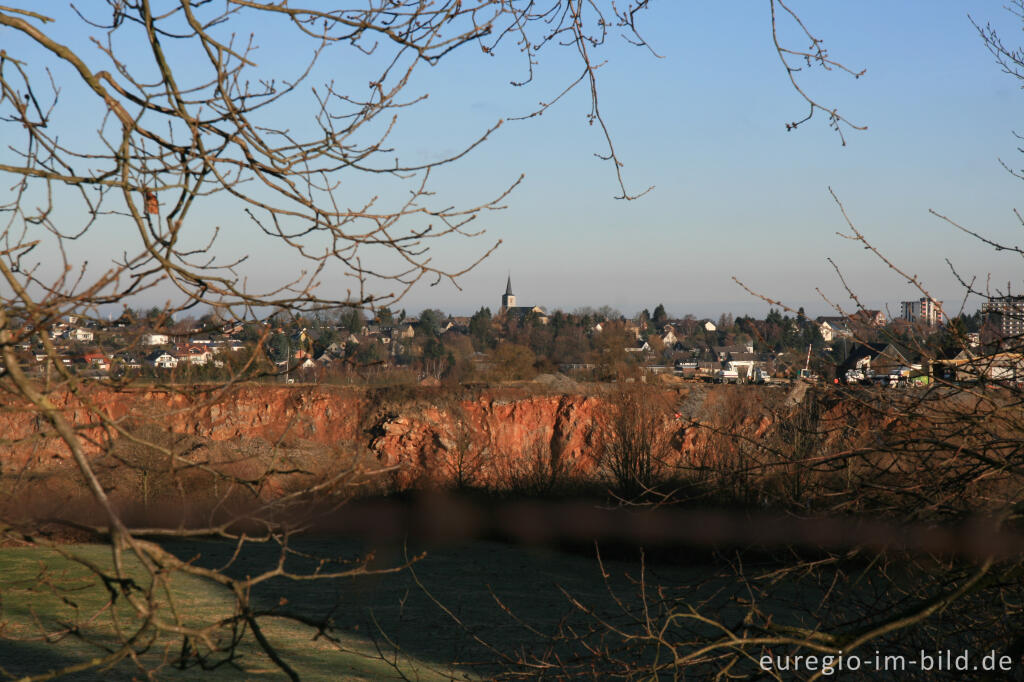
x,y
152,339
161,360
80,334
833,327
193,354
669,338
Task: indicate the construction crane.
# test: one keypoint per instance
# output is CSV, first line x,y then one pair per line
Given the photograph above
x,y
805,373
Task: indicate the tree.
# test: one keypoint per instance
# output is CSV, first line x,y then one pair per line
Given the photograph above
x,y
351,320
369,353
659,317
609,354
637,441
430,323
480,329
188,124
512,361
279,347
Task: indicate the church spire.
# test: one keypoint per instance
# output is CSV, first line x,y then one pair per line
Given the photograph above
x,y
509,299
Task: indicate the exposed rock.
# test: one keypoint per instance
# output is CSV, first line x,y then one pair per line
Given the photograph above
x,y
423,435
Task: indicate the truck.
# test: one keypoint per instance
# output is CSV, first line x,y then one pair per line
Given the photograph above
x,y
727,376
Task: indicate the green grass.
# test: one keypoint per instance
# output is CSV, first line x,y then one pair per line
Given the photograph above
x,y
55,612
518,610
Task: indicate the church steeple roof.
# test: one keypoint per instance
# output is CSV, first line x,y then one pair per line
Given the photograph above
x,y
508,286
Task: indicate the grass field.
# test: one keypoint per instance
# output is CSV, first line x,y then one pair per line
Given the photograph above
x,y
476,610
54,613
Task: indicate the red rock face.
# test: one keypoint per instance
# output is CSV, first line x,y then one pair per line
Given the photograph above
x,y
423,436
480,441
274,414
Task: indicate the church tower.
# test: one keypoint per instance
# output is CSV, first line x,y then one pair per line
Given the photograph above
x,y
509,299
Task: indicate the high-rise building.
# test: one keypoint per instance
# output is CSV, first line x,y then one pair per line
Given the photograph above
x,y
1007,313
926,310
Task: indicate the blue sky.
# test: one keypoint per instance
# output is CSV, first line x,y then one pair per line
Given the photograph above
x,y
738,195
735,193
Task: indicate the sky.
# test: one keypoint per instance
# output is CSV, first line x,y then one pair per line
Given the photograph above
x,y
735,194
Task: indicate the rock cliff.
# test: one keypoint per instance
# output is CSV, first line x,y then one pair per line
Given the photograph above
x,y
421,436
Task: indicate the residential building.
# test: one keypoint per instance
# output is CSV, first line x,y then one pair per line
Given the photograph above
x,y
833,326
669,337
193,354
969,366
723,352
1006,313
80,334
127,361
877,358
925,310
640,346
872,318
153,339
161,359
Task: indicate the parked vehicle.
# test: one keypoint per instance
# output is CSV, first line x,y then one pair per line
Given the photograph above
x,y
727,376
854,376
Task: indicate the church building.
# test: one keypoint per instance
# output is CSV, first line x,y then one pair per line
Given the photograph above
x,y
509,307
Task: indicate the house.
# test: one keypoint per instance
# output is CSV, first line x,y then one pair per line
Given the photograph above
x,y
153,339
80,334
871,318
459,324
723,352
969,366
640,346
329,356
709,326
128,361
669,337
96,360
336,348
833,326
161,359
193,354
874,358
